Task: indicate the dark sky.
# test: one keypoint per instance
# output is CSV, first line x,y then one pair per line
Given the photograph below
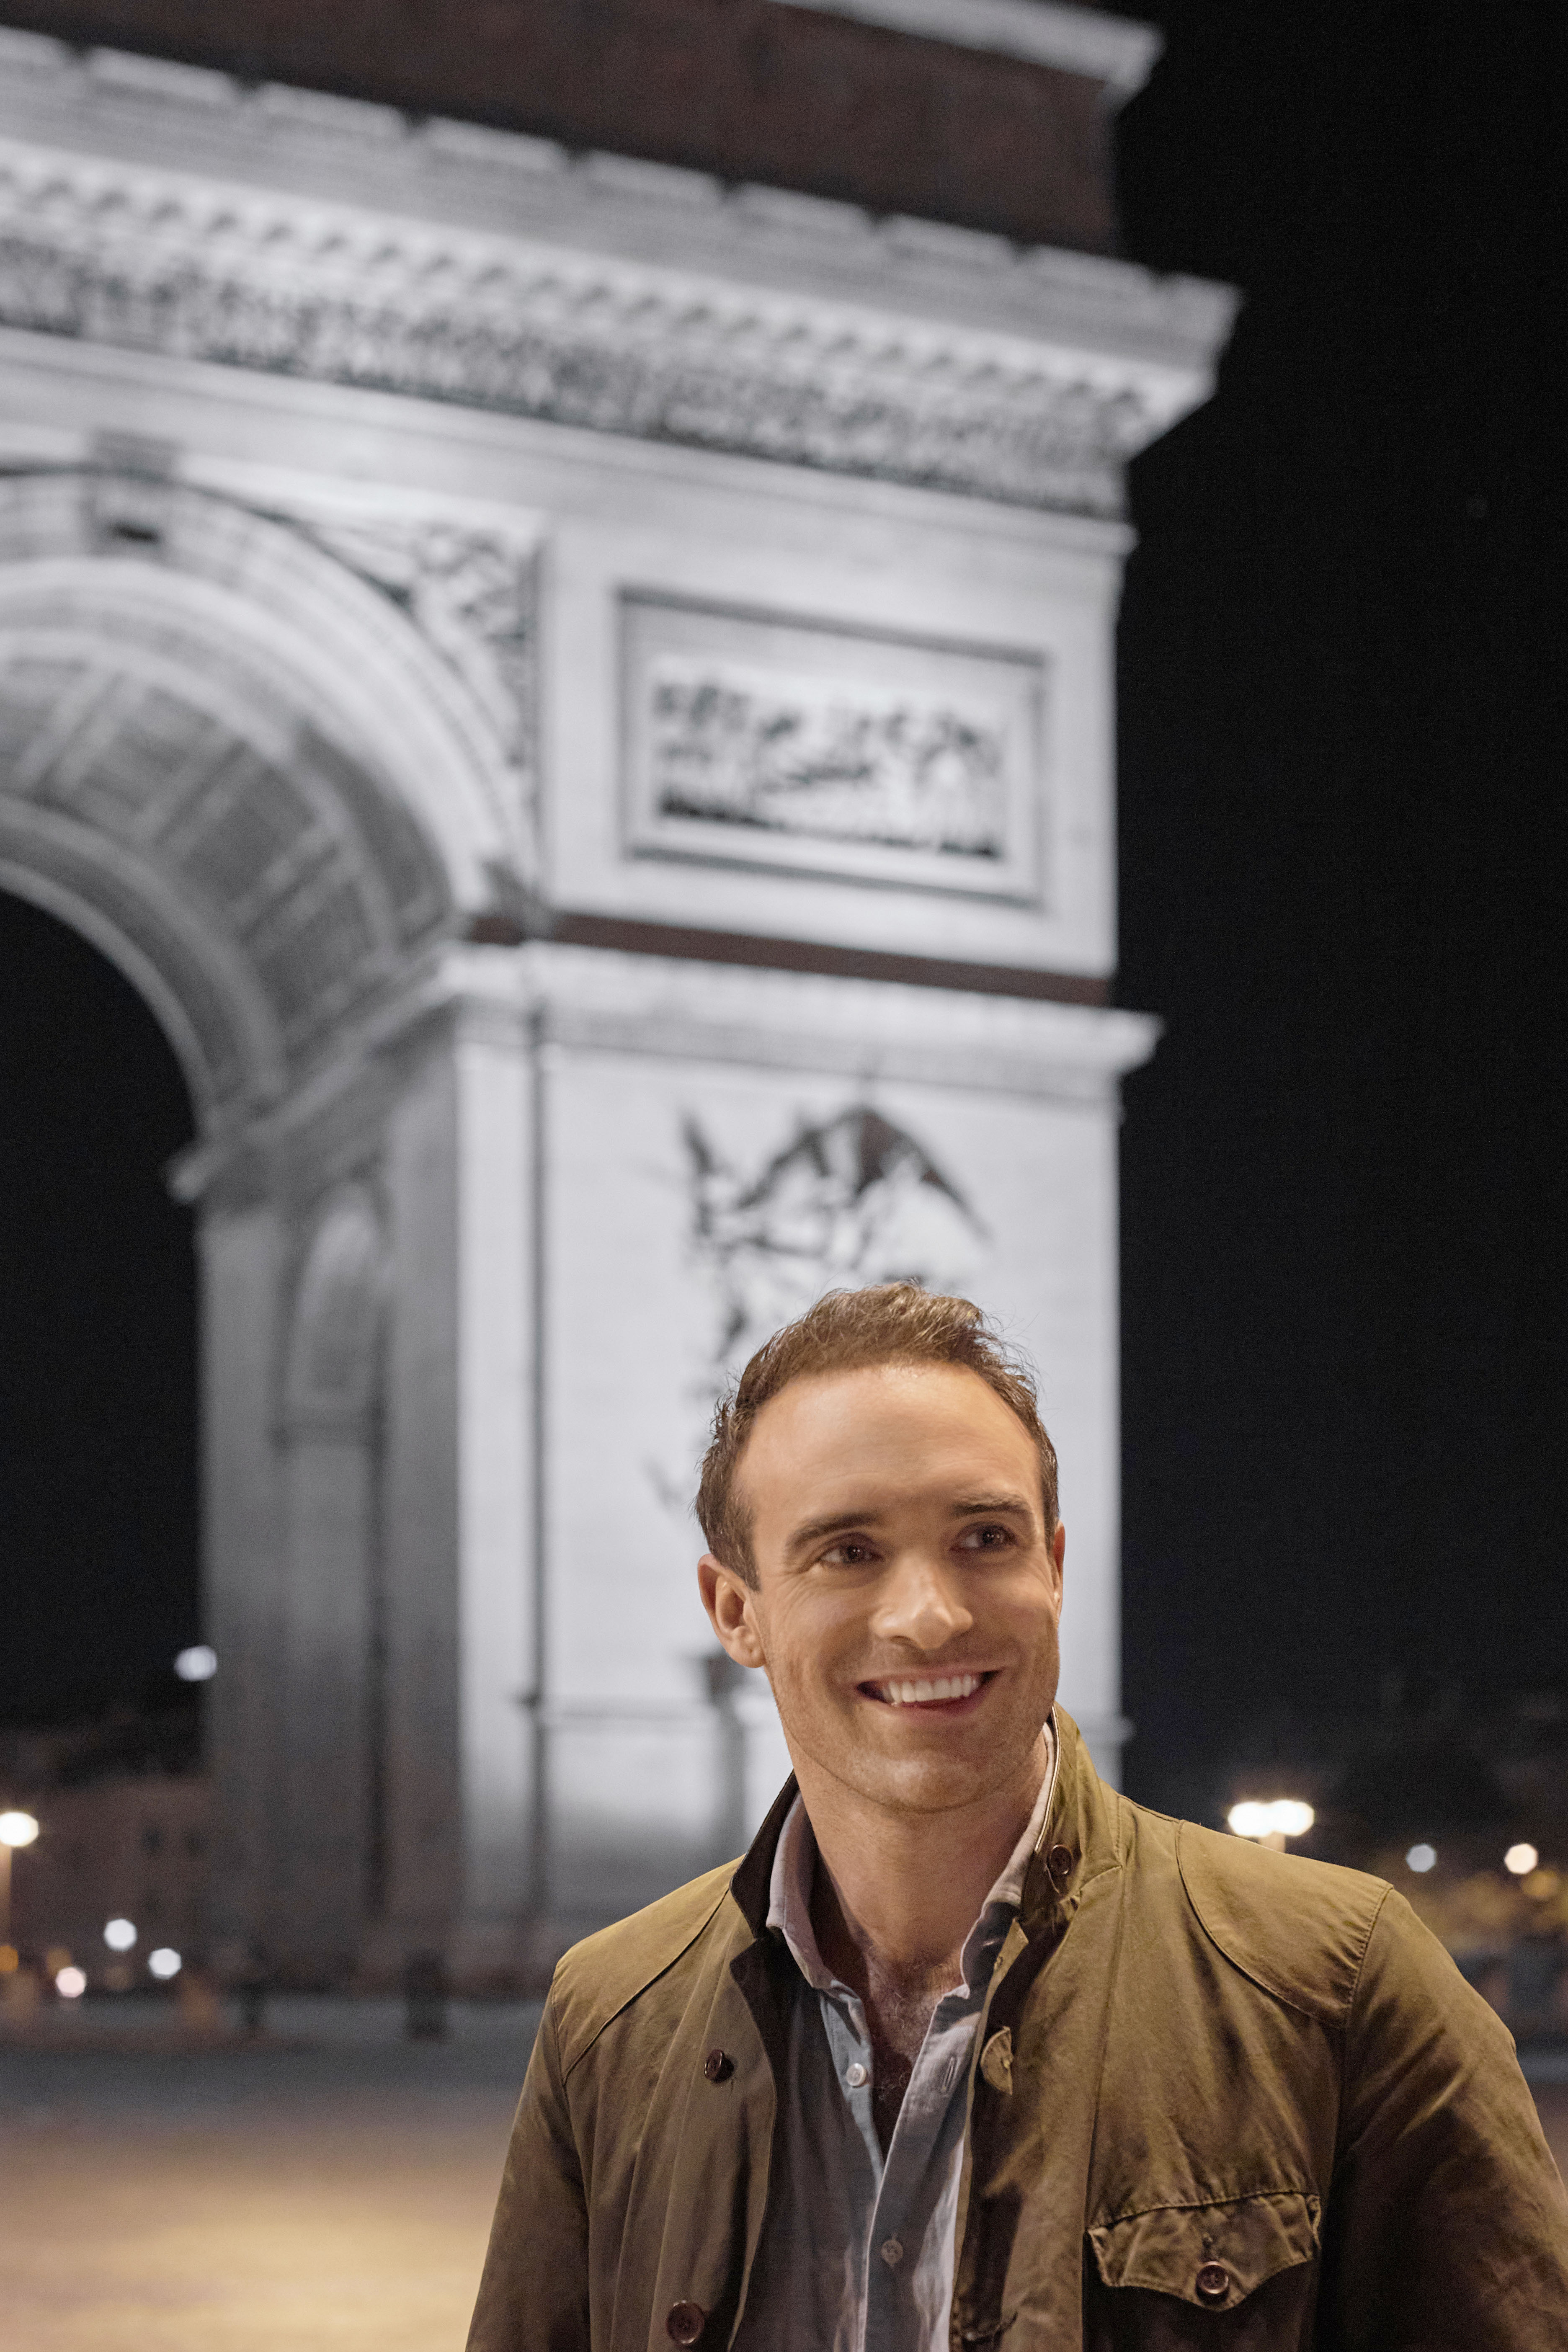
x,y
1343,866
1343,861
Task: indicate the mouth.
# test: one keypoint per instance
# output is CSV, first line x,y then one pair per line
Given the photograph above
x,y
929,1694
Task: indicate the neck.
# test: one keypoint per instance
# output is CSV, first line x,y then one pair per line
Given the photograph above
x,y
904,1888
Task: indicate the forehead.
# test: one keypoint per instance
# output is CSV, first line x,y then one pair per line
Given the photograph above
x,y
900,1424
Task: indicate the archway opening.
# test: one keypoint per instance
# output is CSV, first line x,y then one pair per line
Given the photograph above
x,y
98,1340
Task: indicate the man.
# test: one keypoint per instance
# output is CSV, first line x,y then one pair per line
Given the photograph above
x,y
969,2050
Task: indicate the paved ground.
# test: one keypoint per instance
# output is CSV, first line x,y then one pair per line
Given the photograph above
x,y
329,2197
327,2192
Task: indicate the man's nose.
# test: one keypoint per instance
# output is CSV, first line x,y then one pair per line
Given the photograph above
x,y
919,1601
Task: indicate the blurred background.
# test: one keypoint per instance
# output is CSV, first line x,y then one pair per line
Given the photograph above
x,y
1323,1267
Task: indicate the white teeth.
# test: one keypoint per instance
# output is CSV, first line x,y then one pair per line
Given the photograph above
x,y
927,1694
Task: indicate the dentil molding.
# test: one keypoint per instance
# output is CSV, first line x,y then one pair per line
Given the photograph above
x,y
340,243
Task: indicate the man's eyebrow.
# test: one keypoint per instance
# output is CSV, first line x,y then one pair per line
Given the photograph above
x,y
972,1507
815,1530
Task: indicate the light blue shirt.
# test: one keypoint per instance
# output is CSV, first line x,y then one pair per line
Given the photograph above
x,y
857,2251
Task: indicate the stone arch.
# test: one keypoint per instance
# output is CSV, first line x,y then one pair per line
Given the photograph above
x,y
233,760
270,763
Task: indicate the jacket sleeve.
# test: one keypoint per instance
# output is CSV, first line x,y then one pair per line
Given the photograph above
x,y
533,2292
1447,2225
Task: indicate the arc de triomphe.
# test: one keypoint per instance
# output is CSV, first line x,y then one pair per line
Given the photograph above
x,y
583,699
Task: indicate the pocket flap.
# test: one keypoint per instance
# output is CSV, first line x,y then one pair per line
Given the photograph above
x,y
1211,2255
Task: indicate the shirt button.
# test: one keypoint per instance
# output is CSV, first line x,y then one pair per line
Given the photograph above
x,y
892,2252
717,2066
1213,2282
685,2323
857,2076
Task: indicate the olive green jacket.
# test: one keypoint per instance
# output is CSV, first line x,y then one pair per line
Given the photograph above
x,y
1221,2098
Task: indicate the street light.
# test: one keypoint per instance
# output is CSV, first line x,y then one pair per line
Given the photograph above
x,y
16,1830
1520,1860
1271,1823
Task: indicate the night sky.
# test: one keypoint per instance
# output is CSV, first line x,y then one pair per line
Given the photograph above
x,y
1343,865
1343,849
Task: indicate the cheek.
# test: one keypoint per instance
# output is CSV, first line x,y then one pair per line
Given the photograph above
x,y
806,1636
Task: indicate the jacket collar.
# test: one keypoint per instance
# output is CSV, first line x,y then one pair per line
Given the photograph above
x,y
1080,1838
753,1881
1079,1824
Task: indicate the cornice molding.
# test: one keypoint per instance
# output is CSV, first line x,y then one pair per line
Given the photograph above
x,y
592,999
495,272
1108,50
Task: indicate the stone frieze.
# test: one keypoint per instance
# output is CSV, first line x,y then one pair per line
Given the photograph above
x,y
98,250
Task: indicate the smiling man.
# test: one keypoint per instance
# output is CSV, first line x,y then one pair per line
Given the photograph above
x,y
969,2050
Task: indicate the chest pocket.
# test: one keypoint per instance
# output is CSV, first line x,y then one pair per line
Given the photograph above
x,y
1216,2260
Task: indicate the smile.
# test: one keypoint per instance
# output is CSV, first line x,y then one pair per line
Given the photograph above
x,y
936,1690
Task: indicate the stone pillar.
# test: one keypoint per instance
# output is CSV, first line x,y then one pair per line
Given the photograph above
x,y
240,1244
330,1868
459,1475
719,1146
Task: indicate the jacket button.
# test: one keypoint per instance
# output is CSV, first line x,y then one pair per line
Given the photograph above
x,y
686,2322
1059,1862
1213,2282
717,2066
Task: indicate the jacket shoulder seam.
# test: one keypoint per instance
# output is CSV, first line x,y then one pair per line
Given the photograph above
x,y
1365,1948
569,2065
1333,2013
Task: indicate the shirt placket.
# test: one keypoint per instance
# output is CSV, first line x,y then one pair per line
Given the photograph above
x,y
896,2237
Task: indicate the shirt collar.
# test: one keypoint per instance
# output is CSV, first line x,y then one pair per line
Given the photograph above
x,y
795,1867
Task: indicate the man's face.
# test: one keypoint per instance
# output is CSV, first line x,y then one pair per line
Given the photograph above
x,y
907,1595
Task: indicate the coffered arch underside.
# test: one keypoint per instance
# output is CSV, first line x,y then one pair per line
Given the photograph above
x,y
225,759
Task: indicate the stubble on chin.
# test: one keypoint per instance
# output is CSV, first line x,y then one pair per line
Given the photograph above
x,y
896,1779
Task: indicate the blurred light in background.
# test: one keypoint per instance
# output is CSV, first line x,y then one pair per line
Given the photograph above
x,y
1521,1860
163,1963
1421,1858
18,1829
196,1665
120,1934
1285,1817
70,1984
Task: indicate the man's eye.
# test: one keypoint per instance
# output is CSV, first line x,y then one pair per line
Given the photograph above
x,y
987,1539
847,1554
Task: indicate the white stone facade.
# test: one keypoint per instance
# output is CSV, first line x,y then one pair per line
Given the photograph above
x,y
429,568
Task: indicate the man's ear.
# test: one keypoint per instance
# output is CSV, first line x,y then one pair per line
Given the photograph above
x,y
729,1603
1058,1552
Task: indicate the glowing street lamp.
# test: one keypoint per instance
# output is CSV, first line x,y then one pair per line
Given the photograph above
x,y
1520,1860
1270,1824
16,1830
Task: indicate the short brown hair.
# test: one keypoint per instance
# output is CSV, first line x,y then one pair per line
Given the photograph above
x,y
894,1323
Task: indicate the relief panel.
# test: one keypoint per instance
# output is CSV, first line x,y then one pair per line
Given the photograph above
x,y
761,741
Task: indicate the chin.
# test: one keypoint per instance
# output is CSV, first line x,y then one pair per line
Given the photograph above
x,y
929,1784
